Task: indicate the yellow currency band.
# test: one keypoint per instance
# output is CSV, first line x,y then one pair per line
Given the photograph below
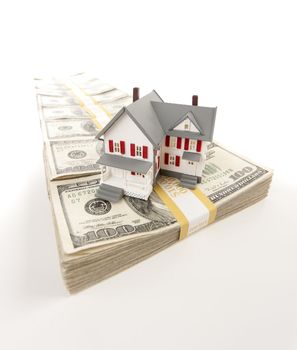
x,y
82,105
178,214
207,203
174,209
98,104
92,115
106,111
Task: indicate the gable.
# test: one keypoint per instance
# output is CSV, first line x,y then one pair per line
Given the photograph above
x,y
125,128
187,123
124,135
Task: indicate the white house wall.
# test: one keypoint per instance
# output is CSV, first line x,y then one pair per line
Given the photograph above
x,y
184,167
125,129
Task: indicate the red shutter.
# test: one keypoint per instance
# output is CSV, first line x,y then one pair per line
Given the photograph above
x,y
178,144
177,160
158,162
166,156
132,149
199,144
110,143
167,141
122,147
144,152
186,144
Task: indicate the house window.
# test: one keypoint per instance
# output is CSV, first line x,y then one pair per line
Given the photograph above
x,y
192,145
191,163
172,141
187,125
171,160
117,147
138,151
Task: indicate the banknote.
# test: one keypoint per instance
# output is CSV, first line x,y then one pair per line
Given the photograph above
x,y
64,112
85,221
51,101
53,93
73,157
57,129
84,80
114,106
226,173
97,89
110,96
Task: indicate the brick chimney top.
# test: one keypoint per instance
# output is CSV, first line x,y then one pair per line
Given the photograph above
x,y
135,94
195,100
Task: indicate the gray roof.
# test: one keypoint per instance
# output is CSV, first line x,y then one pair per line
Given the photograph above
x,y
144,116
120,162
143,113
169,115
156,119
193,157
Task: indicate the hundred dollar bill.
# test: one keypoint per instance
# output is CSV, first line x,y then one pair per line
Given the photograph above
x,y
73,158
50,101
114,106
85,80
64,112
82,82
110,96
49,84
85,221
227,173
91,86
97,89
53,93
57,129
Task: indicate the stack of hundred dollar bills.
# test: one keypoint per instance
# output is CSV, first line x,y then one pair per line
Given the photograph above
x,y
96,238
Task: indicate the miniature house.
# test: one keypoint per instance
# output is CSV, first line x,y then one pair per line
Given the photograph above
x,y
151,137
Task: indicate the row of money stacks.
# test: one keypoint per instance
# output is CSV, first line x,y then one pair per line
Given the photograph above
x,y
96,238
70,116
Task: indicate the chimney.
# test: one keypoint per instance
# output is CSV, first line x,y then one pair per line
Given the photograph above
x,y
135,94
195,100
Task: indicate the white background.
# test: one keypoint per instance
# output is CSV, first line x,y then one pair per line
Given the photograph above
x,y
231,286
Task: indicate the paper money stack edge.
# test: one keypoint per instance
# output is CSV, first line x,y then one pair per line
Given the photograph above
x,y
97,239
